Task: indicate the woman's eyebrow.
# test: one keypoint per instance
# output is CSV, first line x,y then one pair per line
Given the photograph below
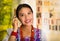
x,y
21,13
30,11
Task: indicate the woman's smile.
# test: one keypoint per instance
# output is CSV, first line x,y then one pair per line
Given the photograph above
x,y
28,21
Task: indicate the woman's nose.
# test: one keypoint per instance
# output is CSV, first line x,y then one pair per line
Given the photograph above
x,y
26,17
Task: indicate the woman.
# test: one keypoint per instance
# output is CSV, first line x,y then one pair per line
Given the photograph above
x,y
26,32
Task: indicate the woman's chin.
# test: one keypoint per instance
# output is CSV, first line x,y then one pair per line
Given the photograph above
x,y
28,24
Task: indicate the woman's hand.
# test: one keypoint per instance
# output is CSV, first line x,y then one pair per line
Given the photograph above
x,y
15,28
15,24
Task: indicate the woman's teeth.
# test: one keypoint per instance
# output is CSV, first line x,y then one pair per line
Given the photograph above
x,y
27,21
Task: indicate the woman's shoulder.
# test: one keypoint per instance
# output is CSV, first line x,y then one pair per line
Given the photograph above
x,y
8,34
36,29
9,31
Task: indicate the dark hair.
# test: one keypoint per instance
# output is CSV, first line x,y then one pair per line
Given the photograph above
x,y
21,6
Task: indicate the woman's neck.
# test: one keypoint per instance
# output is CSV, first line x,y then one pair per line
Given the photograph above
x,y
27,31
24,27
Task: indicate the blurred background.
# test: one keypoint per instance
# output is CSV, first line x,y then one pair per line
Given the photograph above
x,y
5,17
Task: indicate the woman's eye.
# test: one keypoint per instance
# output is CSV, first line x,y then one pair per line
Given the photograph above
x,y
29,13
21,15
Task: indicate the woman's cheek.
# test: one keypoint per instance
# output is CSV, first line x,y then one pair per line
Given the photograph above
x,y
22,20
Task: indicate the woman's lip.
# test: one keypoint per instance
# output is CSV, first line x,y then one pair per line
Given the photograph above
x,y
27,21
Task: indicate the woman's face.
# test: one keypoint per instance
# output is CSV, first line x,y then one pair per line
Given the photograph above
x,y
26,16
